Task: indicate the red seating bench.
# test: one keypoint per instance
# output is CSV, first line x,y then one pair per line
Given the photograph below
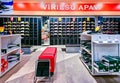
x,y
50,54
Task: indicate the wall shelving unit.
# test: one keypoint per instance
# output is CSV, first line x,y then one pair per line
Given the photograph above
x,y
66,30
110,24
100,53
28,26
10,46
63,30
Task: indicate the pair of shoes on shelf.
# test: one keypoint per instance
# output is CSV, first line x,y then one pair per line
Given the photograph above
x,y
3,8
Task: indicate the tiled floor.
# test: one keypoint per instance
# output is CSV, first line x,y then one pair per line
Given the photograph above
x,y
69,69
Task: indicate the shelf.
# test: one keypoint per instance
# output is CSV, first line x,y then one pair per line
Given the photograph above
x,y
105,73
9,35
10,50
71,28
102,54
99,71
106,42
10,65
85,65
88,51
86,34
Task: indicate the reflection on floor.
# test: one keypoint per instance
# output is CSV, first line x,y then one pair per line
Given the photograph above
x,y
107,79
69,69
24,60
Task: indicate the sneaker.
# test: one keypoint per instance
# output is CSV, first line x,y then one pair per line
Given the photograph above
x,y
2,7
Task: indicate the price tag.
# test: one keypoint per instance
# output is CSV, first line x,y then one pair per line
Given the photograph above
x,y
19,18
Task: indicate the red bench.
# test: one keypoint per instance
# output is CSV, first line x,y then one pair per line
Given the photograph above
x,y
49,54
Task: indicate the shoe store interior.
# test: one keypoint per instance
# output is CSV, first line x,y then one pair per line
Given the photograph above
x,y
63,41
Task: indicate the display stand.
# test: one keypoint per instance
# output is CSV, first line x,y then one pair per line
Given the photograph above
x,y
10,46
100,53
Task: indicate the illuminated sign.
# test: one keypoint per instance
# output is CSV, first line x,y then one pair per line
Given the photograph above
x,y
68,6
62,6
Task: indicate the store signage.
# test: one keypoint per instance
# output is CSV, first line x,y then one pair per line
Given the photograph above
x,y
54,6
60,7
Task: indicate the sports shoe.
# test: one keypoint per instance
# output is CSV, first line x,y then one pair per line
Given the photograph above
x,y
2,7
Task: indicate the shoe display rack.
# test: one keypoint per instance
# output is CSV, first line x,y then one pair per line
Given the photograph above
x,y
35,30
28,27
86,54
63,30
19,27
10,46
100,53
66,30
110,25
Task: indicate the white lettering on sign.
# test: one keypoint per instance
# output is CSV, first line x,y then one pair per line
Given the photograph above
x,y
88,7
43,5
68,6
80,7
98,6
62,5
53,6
92,8
73,7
